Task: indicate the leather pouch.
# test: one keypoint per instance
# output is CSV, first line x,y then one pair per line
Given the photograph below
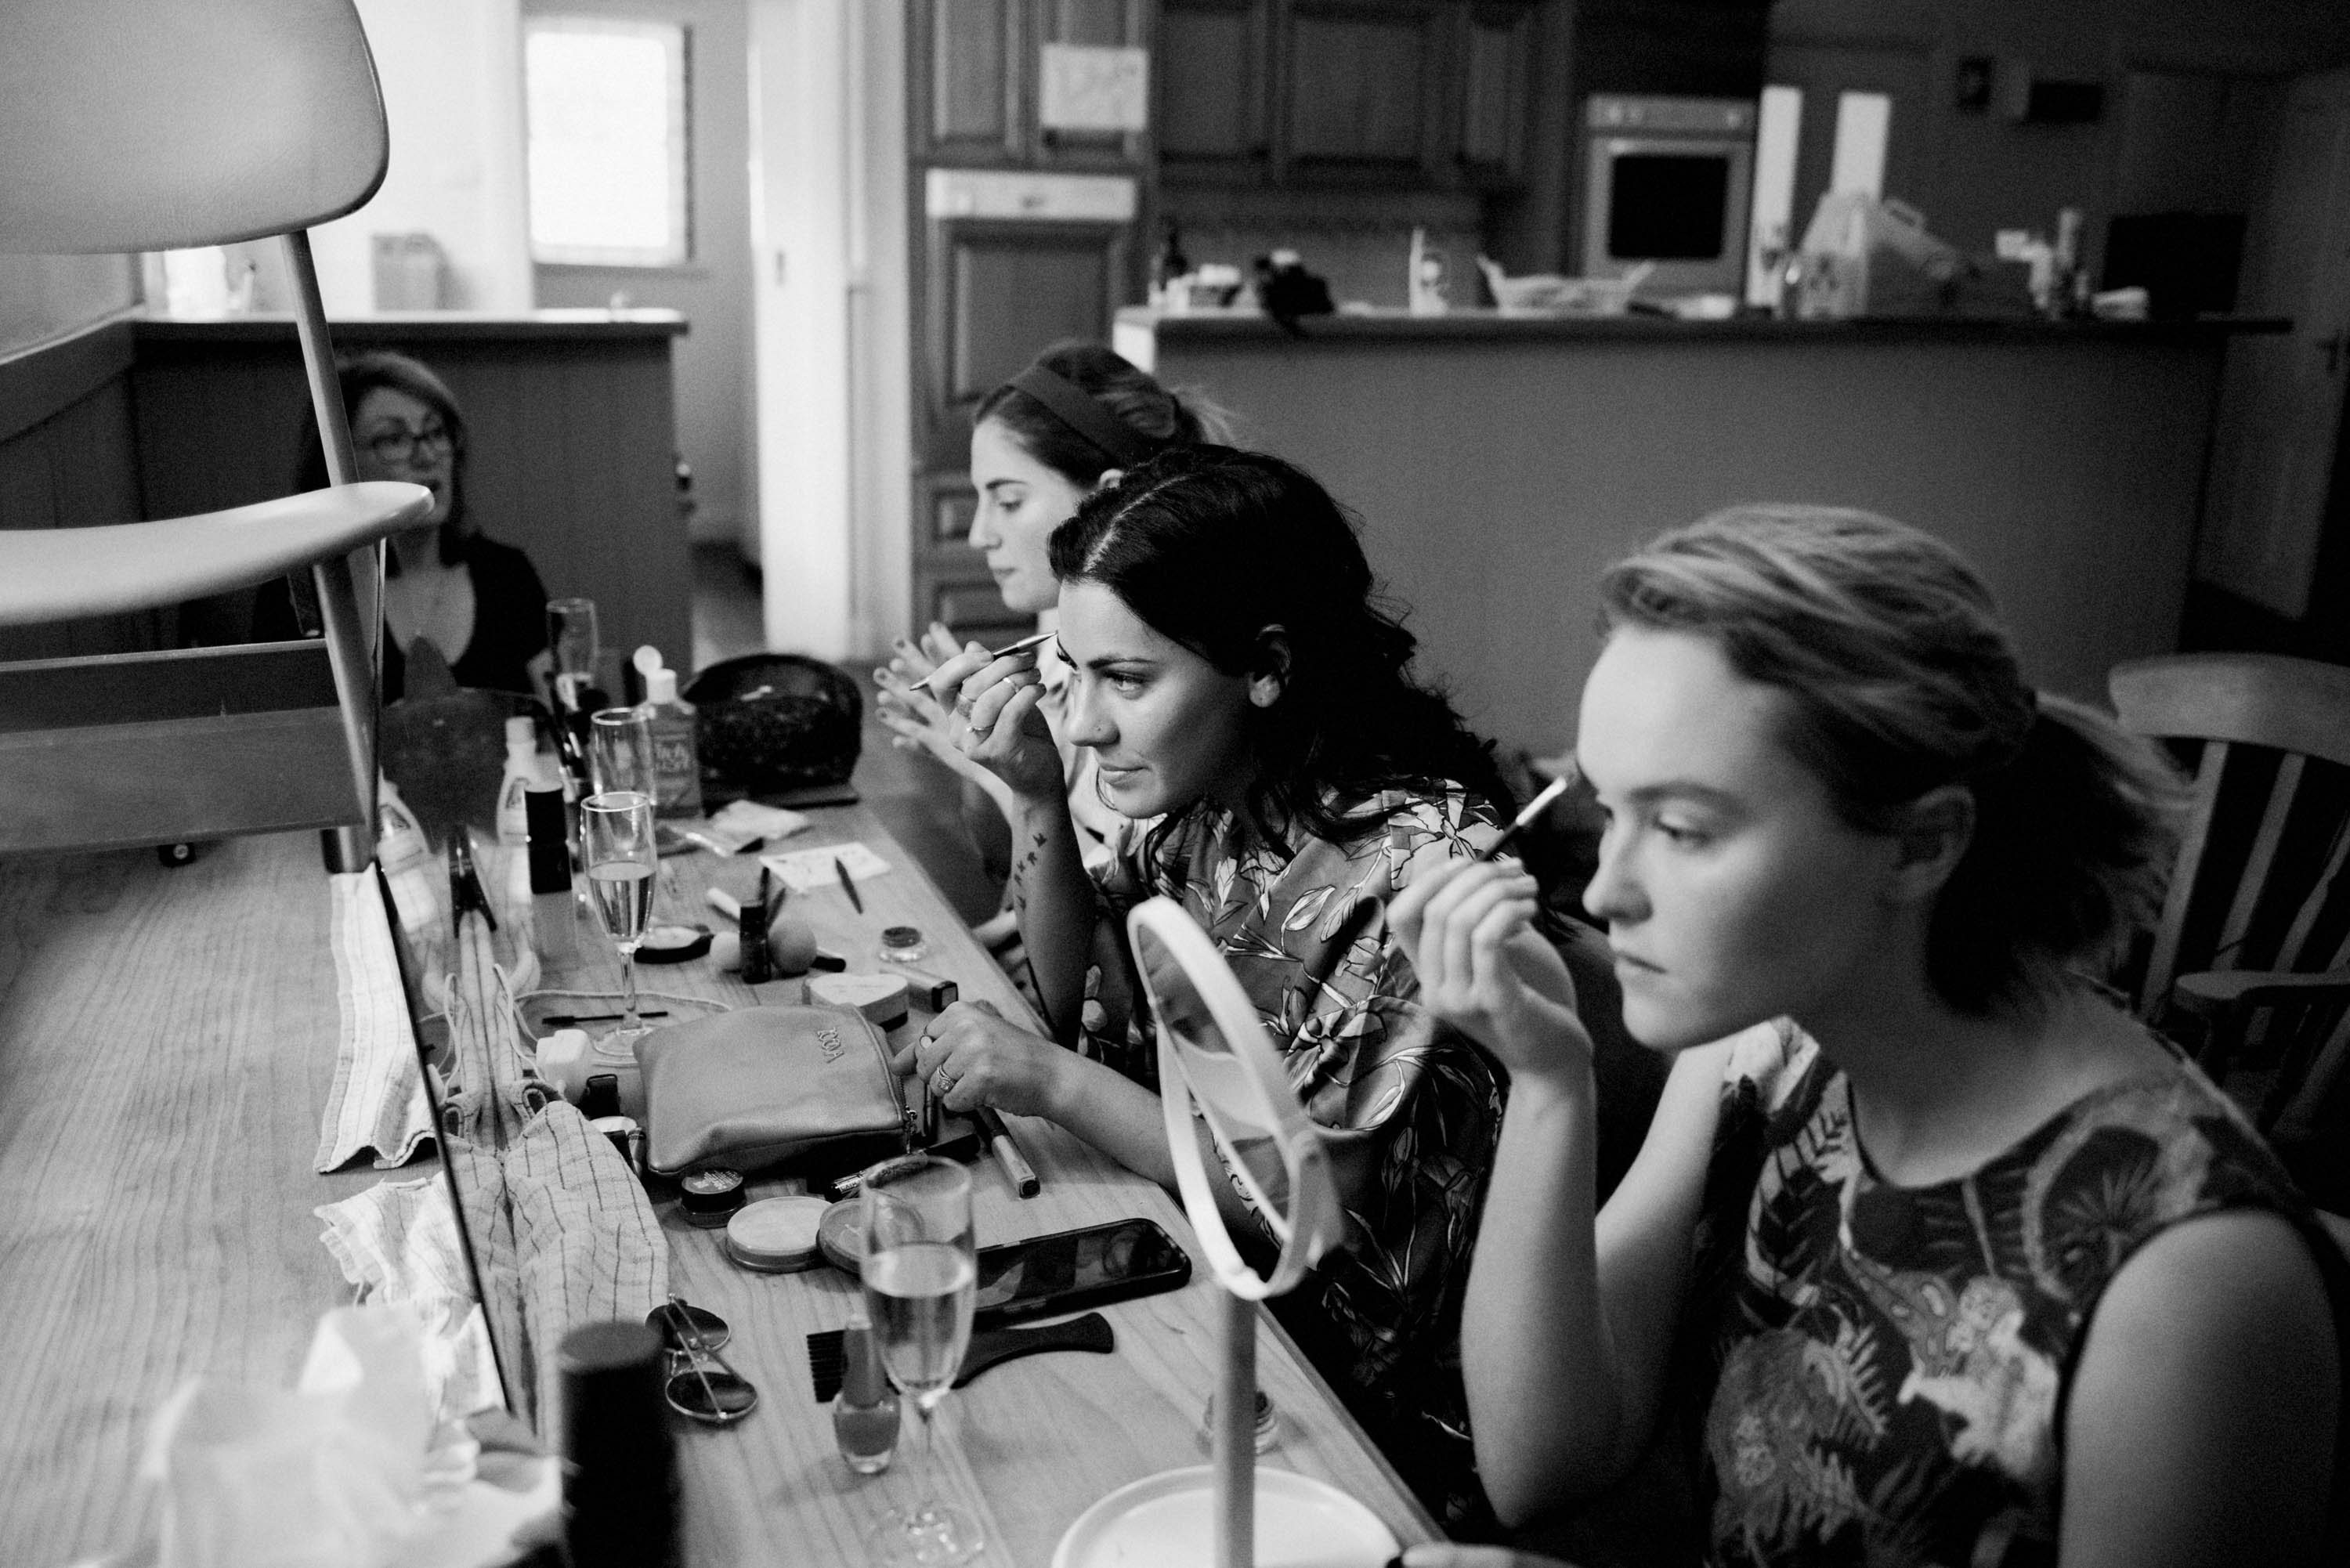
x,y
810,1087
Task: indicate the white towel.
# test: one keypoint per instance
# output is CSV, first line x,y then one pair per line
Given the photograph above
x,y
377,1099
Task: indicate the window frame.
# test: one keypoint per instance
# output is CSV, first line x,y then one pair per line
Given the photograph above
x,y
677,38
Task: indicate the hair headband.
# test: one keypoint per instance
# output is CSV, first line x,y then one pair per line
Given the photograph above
x,y
1082,412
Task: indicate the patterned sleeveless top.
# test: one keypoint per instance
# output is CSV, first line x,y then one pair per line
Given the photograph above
x,y
1881,1371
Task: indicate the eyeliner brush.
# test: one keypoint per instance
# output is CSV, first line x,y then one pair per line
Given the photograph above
x,y
1532,814
1024,644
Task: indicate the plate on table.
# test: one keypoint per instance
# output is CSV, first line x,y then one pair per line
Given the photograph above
x,y
1168,1521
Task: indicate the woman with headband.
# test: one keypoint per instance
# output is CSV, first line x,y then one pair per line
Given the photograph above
x,y
1070,424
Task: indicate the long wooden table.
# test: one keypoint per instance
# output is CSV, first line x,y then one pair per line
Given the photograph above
x,y
166,1047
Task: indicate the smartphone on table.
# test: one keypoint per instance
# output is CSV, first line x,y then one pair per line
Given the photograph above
x,y
1070,1271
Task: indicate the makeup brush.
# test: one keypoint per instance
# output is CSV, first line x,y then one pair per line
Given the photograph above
x,y
1024,644
1532,814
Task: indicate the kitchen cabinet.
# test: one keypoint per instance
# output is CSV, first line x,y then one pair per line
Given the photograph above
x,y
977,76
1212,92
1337,94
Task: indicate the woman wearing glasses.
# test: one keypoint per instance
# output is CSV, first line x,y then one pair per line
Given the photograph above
x,y
478,603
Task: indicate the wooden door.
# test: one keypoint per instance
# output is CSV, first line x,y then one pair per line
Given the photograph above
x,y
1211,94
1000,290
2280,417
1367,91
1496,92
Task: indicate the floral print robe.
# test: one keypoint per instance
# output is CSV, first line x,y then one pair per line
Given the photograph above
x,y
1410,1110
1877,1373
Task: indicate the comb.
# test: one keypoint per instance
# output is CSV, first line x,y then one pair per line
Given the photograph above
x,y
988,1347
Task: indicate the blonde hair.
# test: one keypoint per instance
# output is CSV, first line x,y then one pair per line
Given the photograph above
x,y
1902,680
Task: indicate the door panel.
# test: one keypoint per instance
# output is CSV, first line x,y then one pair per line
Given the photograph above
x,y
1211,87
971,76
2280,417
1366,89
1003,291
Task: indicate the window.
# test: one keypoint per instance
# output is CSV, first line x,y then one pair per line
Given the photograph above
x,y
606,112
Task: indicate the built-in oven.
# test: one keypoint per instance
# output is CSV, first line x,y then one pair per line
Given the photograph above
x,y
1668,181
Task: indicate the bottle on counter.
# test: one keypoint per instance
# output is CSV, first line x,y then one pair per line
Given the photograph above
x,y
865,1412
620,1459
523,772
677,759
554,912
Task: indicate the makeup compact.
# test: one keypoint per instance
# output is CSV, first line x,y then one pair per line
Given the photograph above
x,y
777,1235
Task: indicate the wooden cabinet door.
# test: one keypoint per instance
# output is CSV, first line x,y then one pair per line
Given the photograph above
x,y
1001,290
1213,70
971,79
1366,90
1497,55
1099,23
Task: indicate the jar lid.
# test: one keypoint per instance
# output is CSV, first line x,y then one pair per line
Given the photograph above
x,y
708,1196
777,1235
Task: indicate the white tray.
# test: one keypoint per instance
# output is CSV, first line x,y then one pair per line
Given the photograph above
x,y
1168,1521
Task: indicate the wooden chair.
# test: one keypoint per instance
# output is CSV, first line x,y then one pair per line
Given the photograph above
x,y
2255,939
126,125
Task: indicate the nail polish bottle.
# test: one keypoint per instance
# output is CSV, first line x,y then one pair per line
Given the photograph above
x,y
865,1412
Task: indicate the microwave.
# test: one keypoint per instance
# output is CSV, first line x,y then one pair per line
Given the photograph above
x,y
1668,181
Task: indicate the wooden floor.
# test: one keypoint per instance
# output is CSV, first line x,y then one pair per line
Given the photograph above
x,y
917,800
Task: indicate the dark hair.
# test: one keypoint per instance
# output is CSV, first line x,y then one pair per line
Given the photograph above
x,y
1212,546
1129,395
1902,680
359,374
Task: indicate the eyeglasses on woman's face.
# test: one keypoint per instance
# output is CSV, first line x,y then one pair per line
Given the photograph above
x,y
401,445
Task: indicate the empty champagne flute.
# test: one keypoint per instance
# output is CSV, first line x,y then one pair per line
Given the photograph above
x,y
616,833
921,1275
571,637
620,750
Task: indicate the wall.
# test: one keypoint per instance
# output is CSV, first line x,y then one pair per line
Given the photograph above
x,y
713,289
451,78
1973,173
830,320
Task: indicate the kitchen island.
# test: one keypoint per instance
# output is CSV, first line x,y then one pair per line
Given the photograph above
x,y
1500,462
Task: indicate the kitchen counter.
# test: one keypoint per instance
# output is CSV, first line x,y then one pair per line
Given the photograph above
x,y
1500,463
1474,326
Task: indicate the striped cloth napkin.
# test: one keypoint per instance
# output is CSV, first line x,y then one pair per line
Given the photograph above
x,y
376,1102
398,1243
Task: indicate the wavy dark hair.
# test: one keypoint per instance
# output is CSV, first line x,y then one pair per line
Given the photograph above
x,y
1179,417
1902,679
359,374
1212,547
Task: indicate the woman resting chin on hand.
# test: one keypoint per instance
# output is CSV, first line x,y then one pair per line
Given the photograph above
x,y
1251,721
1932,1255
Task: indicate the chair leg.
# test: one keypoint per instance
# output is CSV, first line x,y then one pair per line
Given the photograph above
x,y
350,849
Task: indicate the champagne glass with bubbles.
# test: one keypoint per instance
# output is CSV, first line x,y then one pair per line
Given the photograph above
x,y
921,1275
616,833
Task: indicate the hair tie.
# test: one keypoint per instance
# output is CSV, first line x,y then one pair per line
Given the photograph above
x,y
1084,413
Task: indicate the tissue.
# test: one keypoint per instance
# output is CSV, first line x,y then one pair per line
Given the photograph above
x,y
348,1468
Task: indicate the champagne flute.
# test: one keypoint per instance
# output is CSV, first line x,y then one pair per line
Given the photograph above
x,y
620,750
921,1275
616,829
571,635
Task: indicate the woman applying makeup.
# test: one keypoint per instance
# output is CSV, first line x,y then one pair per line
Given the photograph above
x,y
1071,423
1932,1255
1254,723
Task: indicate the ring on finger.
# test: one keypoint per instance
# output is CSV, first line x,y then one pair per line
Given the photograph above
x,y
943,1082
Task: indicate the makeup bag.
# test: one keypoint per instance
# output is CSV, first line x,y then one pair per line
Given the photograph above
x,y
810,1087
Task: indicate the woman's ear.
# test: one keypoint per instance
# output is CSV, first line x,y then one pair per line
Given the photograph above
x,y
1108,477
1933,839
1270,674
